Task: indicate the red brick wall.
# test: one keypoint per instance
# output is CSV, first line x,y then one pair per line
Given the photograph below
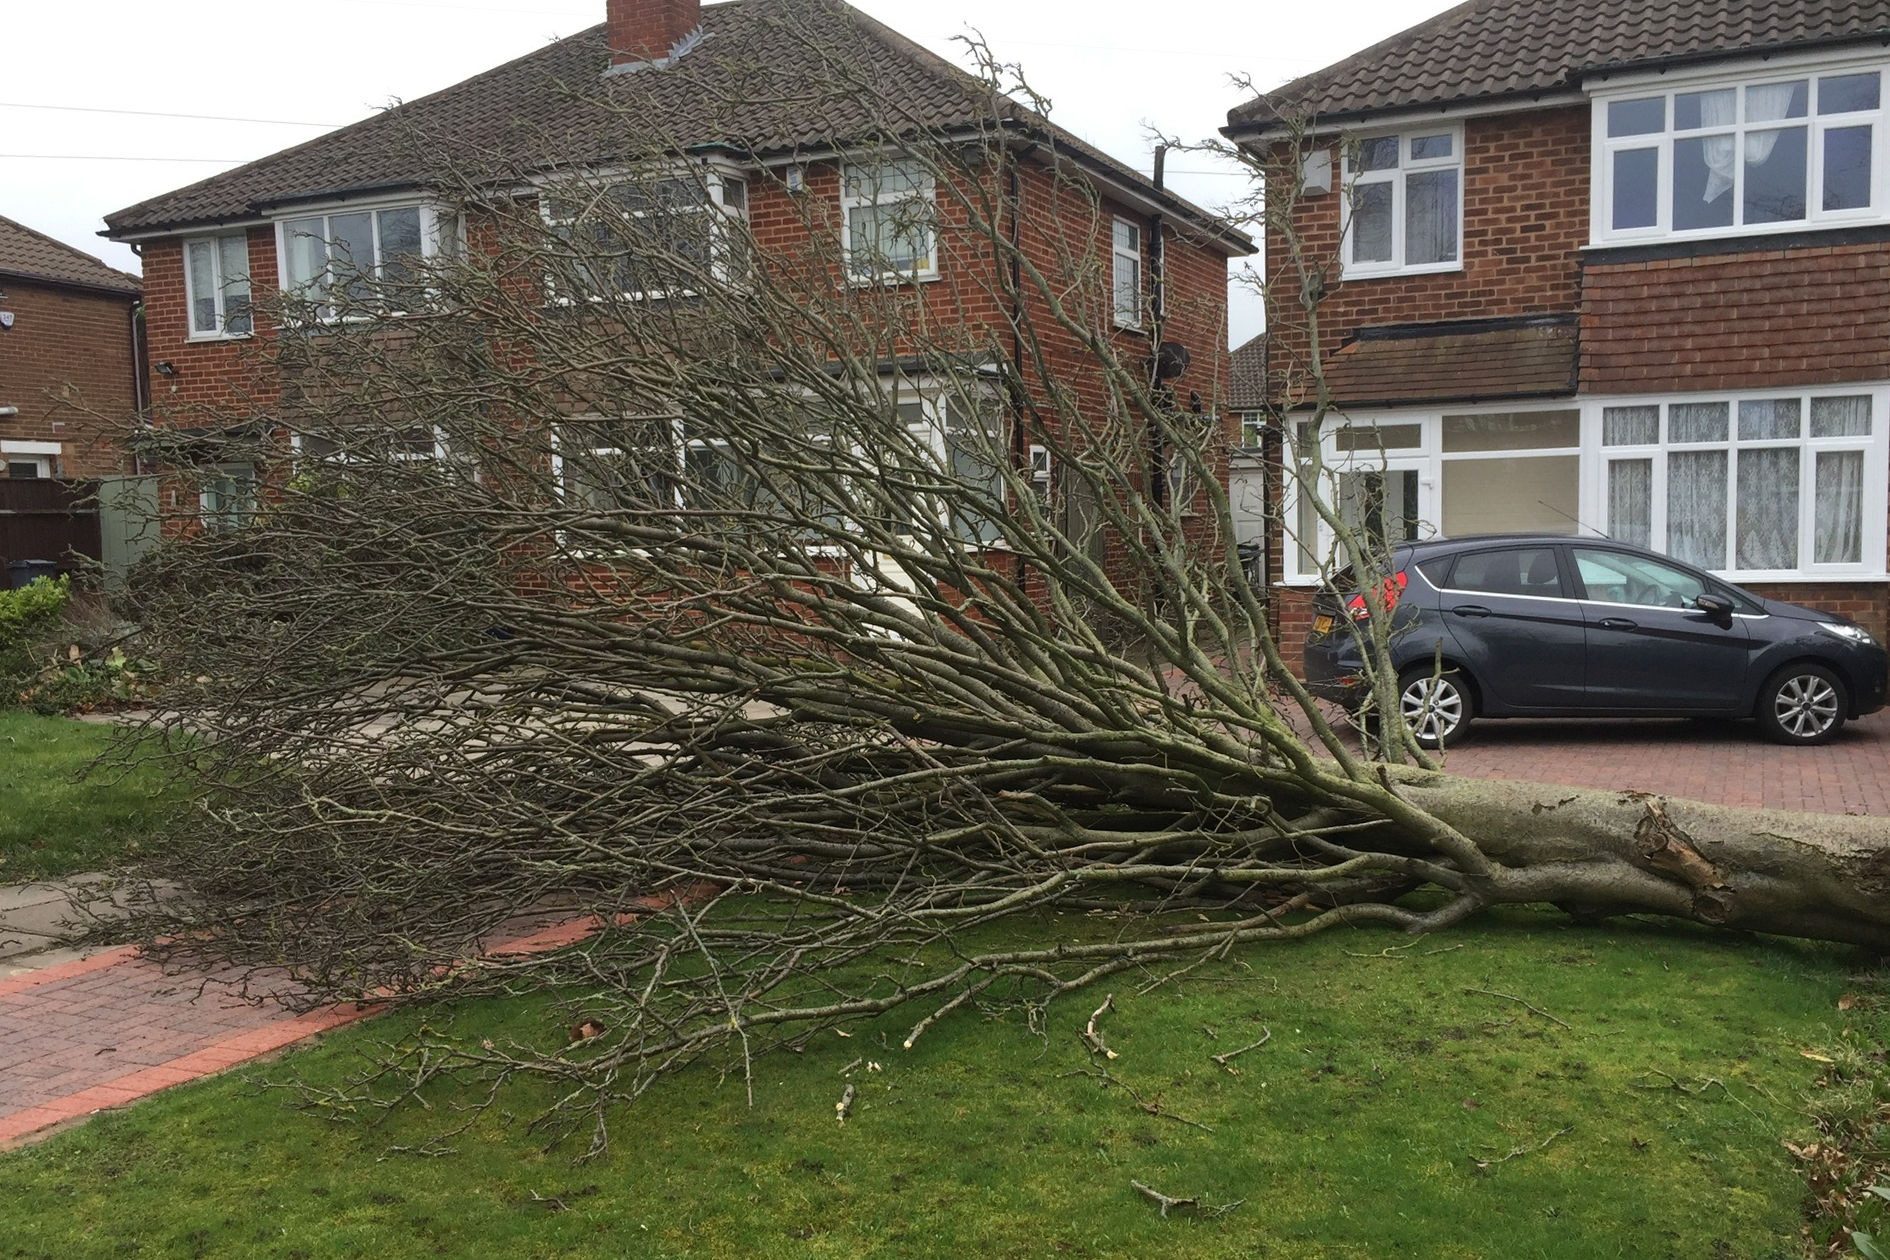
x,y
1754,319
222,378
67,365
1525,222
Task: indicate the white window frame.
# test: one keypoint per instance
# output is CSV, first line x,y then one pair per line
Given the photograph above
x,y
1125,259
441,233
1604,148
716,180
924,192
1428,459
340,456
1396,177
221,284
220,516
1876,488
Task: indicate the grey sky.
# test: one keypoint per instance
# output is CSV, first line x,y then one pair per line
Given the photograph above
x,y
1111,68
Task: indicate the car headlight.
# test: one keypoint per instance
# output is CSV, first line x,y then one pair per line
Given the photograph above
x,y
1844,630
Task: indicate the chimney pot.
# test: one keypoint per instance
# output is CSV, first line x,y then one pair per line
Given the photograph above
x,y
648,30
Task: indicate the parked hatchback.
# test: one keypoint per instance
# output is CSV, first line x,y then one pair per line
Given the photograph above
x,y
1549,626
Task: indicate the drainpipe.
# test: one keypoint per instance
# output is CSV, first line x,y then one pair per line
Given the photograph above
x,y
1158,318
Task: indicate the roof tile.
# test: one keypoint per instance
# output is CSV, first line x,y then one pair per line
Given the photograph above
x,y
36,256
770,77
1488,49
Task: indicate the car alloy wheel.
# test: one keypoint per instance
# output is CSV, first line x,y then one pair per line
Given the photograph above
x,y
1435,708
1805,706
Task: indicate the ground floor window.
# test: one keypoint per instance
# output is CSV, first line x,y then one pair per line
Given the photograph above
x,y
227,497
1771,485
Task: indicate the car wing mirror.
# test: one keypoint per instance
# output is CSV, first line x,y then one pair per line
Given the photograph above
x,y
1718,607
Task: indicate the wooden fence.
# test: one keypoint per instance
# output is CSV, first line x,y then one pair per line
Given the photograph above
x,y
42,519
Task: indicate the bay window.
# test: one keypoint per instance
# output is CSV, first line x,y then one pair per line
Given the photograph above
x,y
1706,158
1772,485
647,238
361,262
1756,486
1403,209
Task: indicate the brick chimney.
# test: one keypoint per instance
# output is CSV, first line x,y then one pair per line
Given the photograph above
x,y
647,31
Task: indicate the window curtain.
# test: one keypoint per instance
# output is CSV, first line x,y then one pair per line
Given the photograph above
x,y
1720,109
1767,104
1696,507
1767,508
1430,217
1840,525
1631,501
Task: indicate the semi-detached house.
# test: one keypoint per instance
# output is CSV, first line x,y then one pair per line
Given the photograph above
x,y
759,146
1603,266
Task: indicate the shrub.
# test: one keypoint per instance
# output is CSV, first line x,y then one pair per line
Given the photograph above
x,y
29,621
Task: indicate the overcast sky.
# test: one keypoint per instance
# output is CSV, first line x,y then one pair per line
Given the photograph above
x,y
1111,68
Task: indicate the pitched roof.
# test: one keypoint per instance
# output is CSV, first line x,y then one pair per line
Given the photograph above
x,y
1473,361
1494,49
1247,375
771,77
33,255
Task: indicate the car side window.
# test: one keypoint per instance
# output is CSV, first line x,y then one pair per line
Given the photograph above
x,y
1613,577
1509,571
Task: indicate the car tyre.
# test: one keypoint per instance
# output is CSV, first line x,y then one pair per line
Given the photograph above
x,y
1439,708
1803,704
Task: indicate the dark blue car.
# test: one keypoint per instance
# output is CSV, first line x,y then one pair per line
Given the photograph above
x,y
1549,626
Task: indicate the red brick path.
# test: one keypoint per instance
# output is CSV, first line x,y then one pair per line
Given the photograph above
x,y
113,1027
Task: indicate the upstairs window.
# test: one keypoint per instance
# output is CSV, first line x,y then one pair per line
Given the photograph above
x,y
363,262
891,217
648,238
1403,210
1126,249
1731,158
216,283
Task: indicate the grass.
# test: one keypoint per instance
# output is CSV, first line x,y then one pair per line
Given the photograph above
x,y
1374,1123
57,820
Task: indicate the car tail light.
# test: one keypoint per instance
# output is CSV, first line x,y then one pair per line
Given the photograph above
x,y
1394,587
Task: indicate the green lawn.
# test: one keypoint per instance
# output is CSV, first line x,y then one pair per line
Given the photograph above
x,y
54,818
1651,1126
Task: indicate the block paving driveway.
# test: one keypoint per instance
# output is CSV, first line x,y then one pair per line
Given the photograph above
x,y
1723,763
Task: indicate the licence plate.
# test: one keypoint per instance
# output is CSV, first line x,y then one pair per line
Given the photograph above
x,y
1322,625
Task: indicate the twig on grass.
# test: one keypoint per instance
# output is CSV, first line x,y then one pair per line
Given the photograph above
x,y
1190,1204
1092,1037
1484,1165
1693,1091
1511,997
844,1108
1222,1059
1152,1108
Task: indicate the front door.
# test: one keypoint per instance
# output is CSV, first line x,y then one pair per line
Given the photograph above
x,y
1649,648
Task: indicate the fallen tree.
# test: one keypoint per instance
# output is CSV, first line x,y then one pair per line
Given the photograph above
x,y
794,635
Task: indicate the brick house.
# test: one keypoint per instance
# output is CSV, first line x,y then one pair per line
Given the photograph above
x,y
215,252
1602,266
68,352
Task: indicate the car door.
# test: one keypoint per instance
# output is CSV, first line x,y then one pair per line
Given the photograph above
x,y
1649,649
1518,628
